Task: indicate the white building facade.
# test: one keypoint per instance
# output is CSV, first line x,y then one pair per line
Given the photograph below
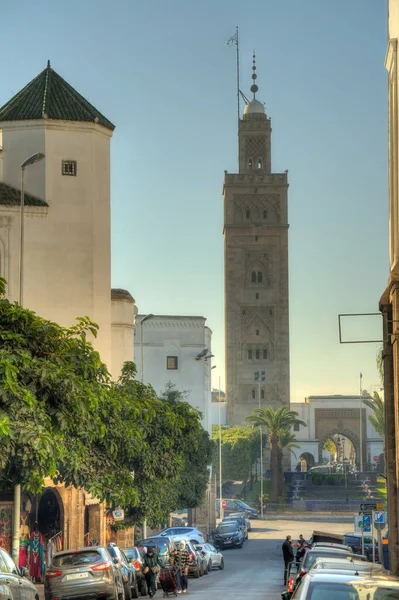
x,y
328,416
176,349
67,239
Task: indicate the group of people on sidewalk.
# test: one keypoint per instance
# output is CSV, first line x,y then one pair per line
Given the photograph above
x,y
289,554
178,561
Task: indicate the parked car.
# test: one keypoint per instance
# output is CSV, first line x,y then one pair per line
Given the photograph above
x,y
237,506
347,564
213,557
13,583
136,559
325,586
182,533
203,563
86,572
240,520
195,565
228,535
332,545
354,540
128,571
326,552
179,521
163,545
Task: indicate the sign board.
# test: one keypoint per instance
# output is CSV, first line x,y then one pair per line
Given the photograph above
x,y
367,508
380,517
224,504
376,459
363,523
118,514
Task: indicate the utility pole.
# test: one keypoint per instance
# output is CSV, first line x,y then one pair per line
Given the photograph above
x,y
260,377
361,426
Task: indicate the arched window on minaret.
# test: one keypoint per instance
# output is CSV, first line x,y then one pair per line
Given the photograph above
x,y
253,395
257,354
265,214
260,276
260,163
249,354
247,213
253,278
250,164
262,394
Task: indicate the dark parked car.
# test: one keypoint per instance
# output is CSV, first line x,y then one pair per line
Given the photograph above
x,y
237,506
128,571
136,559
241,521
84,573
354,540
228,535
12,584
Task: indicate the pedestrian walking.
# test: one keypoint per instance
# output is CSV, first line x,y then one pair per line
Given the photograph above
x,y
288,555
180,561
150,568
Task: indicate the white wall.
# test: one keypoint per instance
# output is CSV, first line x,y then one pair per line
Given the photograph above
x,y
184,337
215,413
67,246
123,315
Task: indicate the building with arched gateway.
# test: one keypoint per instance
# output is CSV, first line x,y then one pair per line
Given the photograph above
x,y
335,418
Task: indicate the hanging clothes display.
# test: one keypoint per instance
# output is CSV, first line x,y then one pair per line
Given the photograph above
x,y
36,555
24,537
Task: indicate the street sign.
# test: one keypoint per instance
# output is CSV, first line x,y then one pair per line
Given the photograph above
x,y
380,517
376,458
362,523
367,508
224,504
366,523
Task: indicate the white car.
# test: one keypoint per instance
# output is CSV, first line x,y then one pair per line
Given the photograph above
x,y
184,533
214,558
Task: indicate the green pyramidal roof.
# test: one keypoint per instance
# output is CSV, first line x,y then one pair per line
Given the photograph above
x,y
49,96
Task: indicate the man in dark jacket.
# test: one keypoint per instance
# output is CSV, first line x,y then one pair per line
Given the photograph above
x,y
288,555
150,569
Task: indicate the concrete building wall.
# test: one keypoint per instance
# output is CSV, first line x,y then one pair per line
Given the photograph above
x,y
67,265
123,316
215,407
182,338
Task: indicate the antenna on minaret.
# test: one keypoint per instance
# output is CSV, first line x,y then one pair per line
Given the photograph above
x,y
254,87
230,42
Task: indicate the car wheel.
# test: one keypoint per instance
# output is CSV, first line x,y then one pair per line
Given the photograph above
x,y
240,545
201,571
196,573
143,589
128,591
210,566
221,566
135,589
206,570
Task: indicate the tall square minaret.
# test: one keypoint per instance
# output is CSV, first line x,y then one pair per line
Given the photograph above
x,y
256,272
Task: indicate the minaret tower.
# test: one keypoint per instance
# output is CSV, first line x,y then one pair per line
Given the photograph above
x,y
256,271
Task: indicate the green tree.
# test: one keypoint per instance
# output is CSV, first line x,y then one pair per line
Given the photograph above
x,y
197,452
330,446
275,421
377,419
240,449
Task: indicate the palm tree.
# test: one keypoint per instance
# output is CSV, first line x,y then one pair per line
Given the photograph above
x,y
275,421
377,419
286,442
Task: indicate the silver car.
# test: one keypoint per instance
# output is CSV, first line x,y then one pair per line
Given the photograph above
x,y
213,557
13,584
84,573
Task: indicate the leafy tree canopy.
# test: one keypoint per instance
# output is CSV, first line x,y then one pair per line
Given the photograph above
x,y
240,449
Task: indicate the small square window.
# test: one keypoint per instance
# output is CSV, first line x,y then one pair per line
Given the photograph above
x,y
69,167
171,363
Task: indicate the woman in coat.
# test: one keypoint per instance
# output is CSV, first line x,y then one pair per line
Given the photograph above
x,y
150,568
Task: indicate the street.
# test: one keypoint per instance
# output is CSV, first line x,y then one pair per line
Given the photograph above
x,y
256,571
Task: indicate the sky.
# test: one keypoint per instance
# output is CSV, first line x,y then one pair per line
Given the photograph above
x,y
162,72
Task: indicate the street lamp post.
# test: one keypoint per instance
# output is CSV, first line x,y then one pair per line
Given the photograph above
x,y
17,489
260,376
361,426
221,511
146,318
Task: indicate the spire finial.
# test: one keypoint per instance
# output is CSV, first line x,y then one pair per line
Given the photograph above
x,y
48,64
254,87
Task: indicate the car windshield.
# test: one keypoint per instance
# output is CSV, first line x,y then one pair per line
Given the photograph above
x,y
311,556
242,504
76,558
132,553
227,528
331,591
162,546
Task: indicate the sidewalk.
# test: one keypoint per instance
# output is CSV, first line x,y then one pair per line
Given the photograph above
x,y
40,589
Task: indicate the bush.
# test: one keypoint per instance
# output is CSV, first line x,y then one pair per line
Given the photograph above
x,y
331,480
317,479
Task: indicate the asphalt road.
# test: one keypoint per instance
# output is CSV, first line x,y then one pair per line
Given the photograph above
x,y
255,571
